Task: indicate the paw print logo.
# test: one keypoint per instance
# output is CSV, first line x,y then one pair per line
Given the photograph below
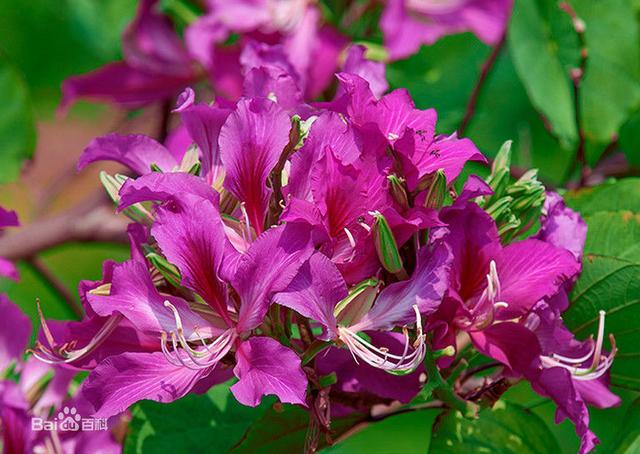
x,y
68,420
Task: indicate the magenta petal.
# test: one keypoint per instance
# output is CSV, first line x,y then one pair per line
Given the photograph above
x,y
8,269
150,43
134,296
164,186
122,380
264,366
474,187
372,71
136,151
8,218
556,384
325,56
204,123
529,271
274,83
191,236
251,142
270,264
121,83
362,377
425,289
561,226
315,291
15,331
509,343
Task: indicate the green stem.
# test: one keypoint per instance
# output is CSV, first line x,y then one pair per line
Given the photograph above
x,y
316,347
443,391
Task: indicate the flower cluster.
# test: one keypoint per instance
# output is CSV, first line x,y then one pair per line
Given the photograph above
x,y
320,250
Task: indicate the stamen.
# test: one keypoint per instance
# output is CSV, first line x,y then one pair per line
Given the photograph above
x,y
60,354
599,365
380,357
352,241
247,233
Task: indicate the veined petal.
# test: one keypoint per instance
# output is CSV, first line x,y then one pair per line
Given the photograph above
x,y
133,295
204,123
164,186
264,366
372,71
15,331
251,142
529,271
122,380
315,291
425,289
270,264
191,235
136,151
562,226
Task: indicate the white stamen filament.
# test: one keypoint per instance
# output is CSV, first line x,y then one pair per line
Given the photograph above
x,y
194,358
246,233
53,355
600,364
352,241
379,357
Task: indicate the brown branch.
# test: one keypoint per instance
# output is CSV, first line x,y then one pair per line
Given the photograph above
x,y
484,73
98,224
577,75
52,280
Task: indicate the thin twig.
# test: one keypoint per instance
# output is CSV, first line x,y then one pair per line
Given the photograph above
x,y
484,73
39,267
98,224
577,75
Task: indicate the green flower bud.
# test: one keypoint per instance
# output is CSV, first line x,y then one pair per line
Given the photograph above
x,y
437,191
386,245
398,191
360,299
166,269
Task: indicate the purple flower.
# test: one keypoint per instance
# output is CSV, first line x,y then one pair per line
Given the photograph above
x,y
156,66
407,24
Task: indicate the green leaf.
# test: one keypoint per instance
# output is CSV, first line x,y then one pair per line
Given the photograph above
x,y
504,112
409,432
283,430
536,56
442,76
17,124
610,90
212,422
506,428
628,441
610,281
610,278
629,139
609,196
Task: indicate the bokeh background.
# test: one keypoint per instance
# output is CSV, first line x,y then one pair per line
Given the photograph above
x,y
43,41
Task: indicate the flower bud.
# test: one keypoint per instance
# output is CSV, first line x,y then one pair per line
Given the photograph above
x,y
437,191
166,269
360,299
112,184
502,160
386,245
398,191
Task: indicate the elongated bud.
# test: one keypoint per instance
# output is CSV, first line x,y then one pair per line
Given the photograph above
x,y
386,245
168,271
112,184
503,158
437,191
360,299
190,160
398,191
